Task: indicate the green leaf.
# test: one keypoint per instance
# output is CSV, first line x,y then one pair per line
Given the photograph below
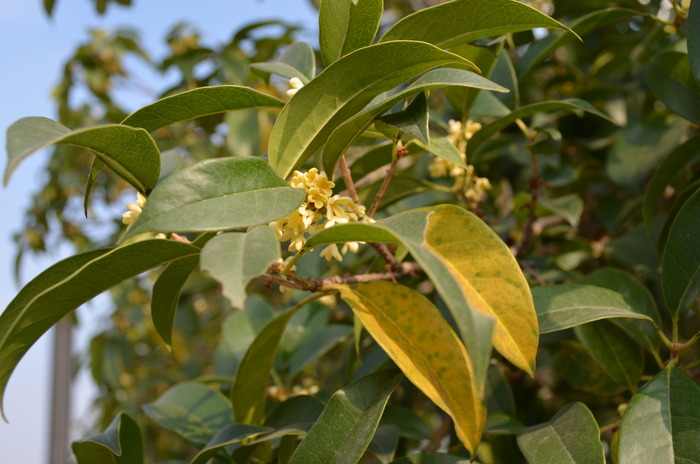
x,y
131,153
415,335
68,284
582,372
542,49
619,355
572,436
217,194
662,422
232,433
298,60
443,148
432,458
681,260
667,169
49,6
694,40
119,444
298,412
346,25
462,21
348,131
253,375
571,104
671,80
564,306
384,442
637,296
199,102
410,424
347,424
329,100
95,170
570,207
237,258
192,410
166,294
316,345
412,121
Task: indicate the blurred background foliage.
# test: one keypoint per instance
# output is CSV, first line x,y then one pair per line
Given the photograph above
x,y
588,215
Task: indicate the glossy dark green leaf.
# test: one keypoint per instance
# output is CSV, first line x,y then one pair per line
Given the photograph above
x,y
433,458
199,102
236,258
484,56
671,80
192,410
542,49
299,412
413,121
120,443
68,284
572,104
217,194
503,73
461,21
662,422
232,433
443,148
681,260
348,422
331,98
298,60
346,25
130,152
667,169
316,345
384,443
570,437
564,306
618,354
410,424
582,372
166,294
253,375
694,40
346,133
637,296
499,395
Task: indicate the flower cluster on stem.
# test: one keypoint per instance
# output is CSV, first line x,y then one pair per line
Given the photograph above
x,y
472,186
320,210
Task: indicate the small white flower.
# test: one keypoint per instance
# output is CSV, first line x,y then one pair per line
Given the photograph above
x,y
331,252
295,83
129,217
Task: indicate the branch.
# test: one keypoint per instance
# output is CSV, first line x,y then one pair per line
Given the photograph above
x,y
399,151
349,183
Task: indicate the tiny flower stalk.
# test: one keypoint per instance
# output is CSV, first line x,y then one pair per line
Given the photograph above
x,y
320,210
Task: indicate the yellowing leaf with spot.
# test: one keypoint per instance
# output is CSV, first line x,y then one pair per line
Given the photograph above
x,y
490,278
419,340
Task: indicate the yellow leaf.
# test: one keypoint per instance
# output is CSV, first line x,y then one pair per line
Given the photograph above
x,y
490,278
419,340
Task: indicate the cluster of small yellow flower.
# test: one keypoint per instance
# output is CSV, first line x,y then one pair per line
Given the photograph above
x,y
473,186
320,210
134,211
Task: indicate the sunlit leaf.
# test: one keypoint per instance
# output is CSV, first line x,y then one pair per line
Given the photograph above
x,y
298,60
419,340
130,152
347,424
166,294
413,120
199,102
217,194
461,21
347,132
332,97
232,433
662,422
68,284
443,148
572,436
346,25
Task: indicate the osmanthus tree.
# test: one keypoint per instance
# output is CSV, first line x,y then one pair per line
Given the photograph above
x,y
464,241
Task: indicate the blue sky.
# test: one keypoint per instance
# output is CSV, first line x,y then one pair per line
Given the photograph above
x,y
32,50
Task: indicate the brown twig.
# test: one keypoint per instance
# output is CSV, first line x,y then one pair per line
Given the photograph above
x,y
347,177
528,229
399,151
292,280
